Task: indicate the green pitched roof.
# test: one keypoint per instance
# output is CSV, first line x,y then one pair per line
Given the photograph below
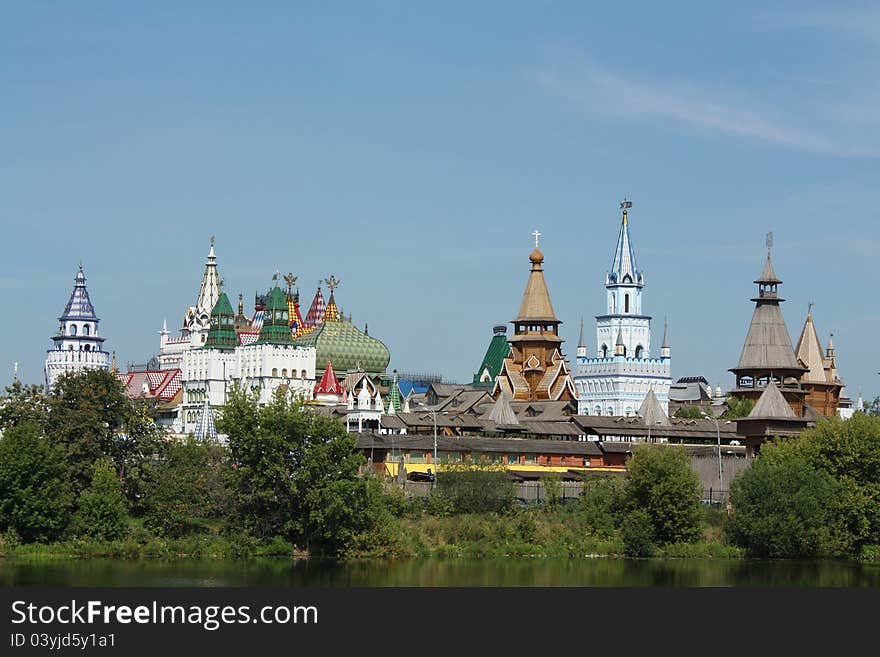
x,y
276,319
498,350
222,333
347,346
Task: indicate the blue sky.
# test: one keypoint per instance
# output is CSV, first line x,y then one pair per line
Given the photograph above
x,y
411,150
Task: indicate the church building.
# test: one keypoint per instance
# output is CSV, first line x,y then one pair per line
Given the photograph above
x,y
535,368
616,380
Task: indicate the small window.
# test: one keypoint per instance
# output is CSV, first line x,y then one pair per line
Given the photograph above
x,y
85,329
626,303
73,329
274,371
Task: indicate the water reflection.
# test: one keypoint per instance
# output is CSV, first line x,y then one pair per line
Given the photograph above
x,y
440,572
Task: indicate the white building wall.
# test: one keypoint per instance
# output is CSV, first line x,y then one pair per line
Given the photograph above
x,y
209,374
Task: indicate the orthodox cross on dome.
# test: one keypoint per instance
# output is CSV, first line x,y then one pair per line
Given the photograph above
x,y
290,279
332,282
536,235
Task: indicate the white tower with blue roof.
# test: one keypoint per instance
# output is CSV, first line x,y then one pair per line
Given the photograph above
x,y
616,380
77,344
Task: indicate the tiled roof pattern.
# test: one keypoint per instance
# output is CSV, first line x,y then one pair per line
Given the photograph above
x,y
316,312
347,346
79,306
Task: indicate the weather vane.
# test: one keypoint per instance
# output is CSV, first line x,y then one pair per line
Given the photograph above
x,y
536,235
332,282
769,240
212,240
625,205
276,275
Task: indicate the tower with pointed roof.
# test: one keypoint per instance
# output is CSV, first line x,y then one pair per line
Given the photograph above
x,y
77,345
767,355
820,382
497,351
618,378
535,368
196,319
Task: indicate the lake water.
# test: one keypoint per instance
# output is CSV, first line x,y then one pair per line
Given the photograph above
x,y
598,572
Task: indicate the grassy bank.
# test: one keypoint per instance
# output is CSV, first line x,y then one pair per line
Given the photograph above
x,y
563,532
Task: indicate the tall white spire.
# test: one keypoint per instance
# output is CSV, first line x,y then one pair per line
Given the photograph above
x,y
199,316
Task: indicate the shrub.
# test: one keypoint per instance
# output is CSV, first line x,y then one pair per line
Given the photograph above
x,y
475,489
102,513
638,534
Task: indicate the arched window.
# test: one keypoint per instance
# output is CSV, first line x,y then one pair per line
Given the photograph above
x,y
85,329
303,375
613,303
274,371
639,351
626,303
88,347
284,372
73,329
604,351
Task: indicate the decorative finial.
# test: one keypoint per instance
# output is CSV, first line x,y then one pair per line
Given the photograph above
x,y
220,284
625,205
332,282
276,276
290,279
769,241
536,235
212,240
810,309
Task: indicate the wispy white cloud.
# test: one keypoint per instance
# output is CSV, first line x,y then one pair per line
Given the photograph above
x,y
598,90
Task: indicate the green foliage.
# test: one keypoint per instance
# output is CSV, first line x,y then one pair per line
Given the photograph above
x,y
90,417
35,496
784,507
295,473
475,489
102,513
738,408
601,503
22,404
191,480
663,484
638,534
850,452
553,488
689,412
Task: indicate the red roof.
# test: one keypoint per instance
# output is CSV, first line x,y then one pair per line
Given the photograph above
x,y
329,384
155,384
316,313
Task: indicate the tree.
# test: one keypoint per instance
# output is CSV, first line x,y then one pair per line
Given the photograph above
x,y
90,417
873,407
101,509
601,502
190,481
295,473
849,451
663,484
783,507
35,496
689,412
738,408
22,404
